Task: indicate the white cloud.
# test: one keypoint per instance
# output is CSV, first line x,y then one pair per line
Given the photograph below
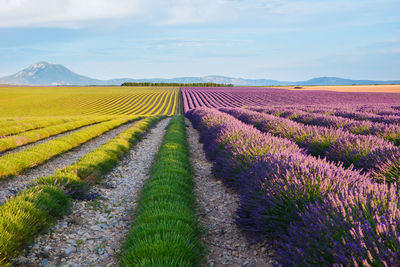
x,y
175,12
78,13
62,13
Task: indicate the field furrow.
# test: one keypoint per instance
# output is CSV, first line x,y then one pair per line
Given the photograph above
x,y
128,106
165,105
106,103
137,105
162,104
154,104
122,106
146,102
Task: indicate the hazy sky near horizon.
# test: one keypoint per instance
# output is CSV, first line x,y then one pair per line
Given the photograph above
x,y
273,39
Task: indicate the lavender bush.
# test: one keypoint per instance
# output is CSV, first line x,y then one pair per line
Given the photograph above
x,y
357,227
280,185
387,168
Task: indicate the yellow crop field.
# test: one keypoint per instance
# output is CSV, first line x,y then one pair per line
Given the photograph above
x,y
71,116
86,101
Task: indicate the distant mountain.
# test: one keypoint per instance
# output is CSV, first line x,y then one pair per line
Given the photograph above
x,y
44,73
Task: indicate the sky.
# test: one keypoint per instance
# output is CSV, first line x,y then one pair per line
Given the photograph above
x,y
289,40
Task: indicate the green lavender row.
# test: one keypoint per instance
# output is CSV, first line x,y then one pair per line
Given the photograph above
x,y
13,141
15,126
166,231
16,163
26,215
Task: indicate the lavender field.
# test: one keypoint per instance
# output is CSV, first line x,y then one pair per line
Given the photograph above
x,y
246,176
317,172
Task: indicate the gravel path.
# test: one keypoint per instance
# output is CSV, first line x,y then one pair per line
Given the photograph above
x,y
218,204
15,184
92,234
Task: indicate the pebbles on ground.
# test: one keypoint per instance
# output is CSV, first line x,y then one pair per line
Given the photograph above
x,y
217,203
9,187
92,234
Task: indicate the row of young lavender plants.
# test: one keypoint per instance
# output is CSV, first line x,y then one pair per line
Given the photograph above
x,y
390,132
365,152
313,211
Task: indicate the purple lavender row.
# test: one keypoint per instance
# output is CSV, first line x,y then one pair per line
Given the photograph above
x,y
378,109
368,116
334,144
382,110
390,132
316,213
355,115
345,111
